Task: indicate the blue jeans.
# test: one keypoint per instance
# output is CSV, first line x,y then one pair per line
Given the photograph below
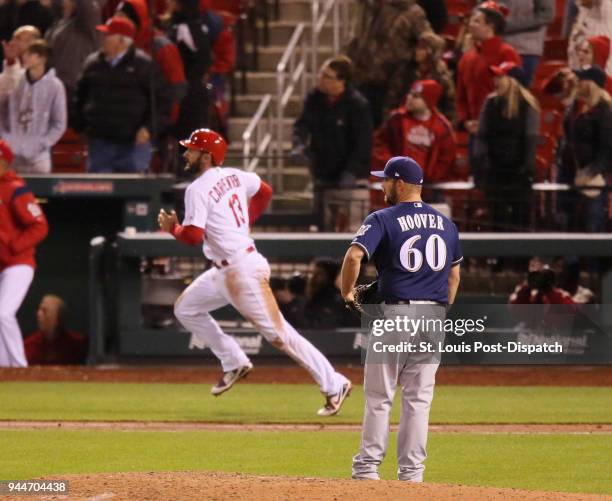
x,y
107,157
530,63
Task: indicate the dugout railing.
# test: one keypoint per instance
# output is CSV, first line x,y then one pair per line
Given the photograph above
x,y
118,278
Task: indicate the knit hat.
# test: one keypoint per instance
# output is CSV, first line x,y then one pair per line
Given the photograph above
x,y
601,50
430,91
593,74
118,26
510,69
6,153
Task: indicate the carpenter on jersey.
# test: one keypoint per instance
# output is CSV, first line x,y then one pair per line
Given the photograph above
x,y
217,202
413,247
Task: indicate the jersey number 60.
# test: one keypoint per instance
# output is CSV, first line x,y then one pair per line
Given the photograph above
x,y
435,253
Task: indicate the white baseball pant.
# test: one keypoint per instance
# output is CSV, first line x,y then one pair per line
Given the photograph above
x,y
14,284
245,285
416,373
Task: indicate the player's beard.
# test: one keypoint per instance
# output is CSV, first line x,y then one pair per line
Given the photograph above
x,y
391,195
191,166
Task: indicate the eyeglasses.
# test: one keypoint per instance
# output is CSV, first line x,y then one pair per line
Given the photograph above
x,y
327,76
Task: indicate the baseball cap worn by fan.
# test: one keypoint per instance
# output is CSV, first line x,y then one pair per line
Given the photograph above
x,y
404,168
592,73
494,8
6,153
118,26
510,69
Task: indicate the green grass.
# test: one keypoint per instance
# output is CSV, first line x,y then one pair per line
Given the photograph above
x,y
540,462
250,403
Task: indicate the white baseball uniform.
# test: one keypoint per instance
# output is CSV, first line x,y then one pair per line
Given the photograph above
x,y
217,201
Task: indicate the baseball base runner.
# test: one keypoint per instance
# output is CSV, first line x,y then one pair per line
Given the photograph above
x,y
220,206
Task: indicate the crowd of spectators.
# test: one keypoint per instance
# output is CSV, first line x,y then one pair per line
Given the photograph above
x,y
128,80
481,95
467,98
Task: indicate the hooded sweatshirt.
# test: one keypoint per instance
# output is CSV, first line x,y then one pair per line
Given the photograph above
x,y
591,22
601,53
33,118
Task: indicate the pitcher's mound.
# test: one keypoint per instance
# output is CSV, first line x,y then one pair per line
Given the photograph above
x,y
227,486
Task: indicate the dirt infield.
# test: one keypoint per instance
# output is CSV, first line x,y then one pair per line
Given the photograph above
x,y
532,429
226,486
466,375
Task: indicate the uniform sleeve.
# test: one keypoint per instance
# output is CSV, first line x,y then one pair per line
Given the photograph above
x,y
457,253
196,209
370,234
252,183
31,218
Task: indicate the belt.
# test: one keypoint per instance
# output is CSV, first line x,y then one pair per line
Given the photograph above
x,y
415,301
224,262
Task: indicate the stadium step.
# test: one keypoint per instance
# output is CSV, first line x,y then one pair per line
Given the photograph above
x,y
280,32
296,10
237,125
247,104
270,56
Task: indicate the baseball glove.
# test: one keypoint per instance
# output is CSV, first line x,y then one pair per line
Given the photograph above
x,y
364,294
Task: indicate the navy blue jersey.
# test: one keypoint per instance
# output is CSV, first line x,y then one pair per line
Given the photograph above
x,y
413,247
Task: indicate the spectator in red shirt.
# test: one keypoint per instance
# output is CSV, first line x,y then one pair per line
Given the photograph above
x,y
53,344
474,80
22,226
418,130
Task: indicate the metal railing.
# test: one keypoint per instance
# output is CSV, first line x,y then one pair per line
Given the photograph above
x,y
257,137
290,74
340,10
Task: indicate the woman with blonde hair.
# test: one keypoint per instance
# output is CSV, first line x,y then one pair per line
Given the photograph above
x,y
587,152
505,148
427,64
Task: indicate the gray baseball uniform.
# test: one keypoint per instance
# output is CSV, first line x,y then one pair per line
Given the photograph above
x,y
414,248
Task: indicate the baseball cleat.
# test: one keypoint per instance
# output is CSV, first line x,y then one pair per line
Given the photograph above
x,y
334,402
229,378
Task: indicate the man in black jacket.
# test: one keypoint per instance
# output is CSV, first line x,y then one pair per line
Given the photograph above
x,y
121,102
334,130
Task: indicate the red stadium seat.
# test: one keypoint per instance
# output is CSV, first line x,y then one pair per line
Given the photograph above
x,y
69,155
555,48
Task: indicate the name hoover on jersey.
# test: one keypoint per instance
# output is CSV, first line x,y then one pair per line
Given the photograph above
x,y
420,221
223,186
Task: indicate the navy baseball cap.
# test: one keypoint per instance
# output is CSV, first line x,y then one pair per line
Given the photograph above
x,y
404,168
594,74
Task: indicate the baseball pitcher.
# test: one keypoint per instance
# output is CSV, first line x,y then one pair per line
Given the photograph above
x,y
221,204
417,253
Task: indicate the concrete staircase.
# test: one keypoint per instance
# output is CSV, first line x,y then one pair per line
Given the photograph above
x,y
297,197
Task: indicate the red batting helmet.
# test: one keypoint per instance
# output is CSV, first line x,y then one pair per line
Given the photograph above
x,y
209,141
